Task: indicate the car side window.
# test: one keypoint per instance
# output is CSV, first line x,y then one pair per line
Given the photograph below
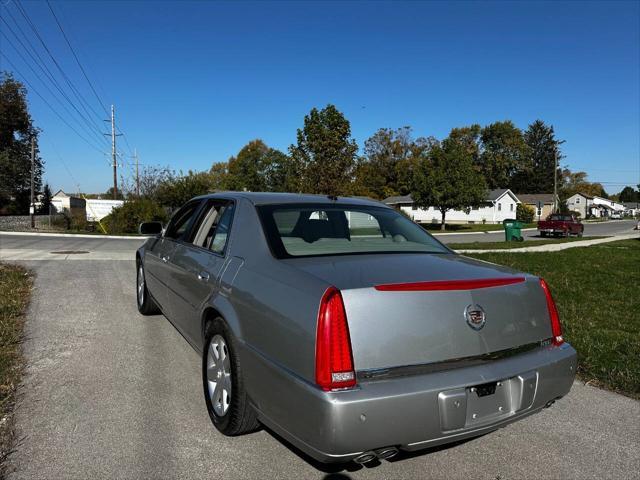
x,y
221,234
181,221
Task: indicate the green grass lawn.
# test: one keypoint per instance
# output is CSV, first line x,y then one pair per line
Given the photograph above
x,y
469,227
509,245
597,290
15,289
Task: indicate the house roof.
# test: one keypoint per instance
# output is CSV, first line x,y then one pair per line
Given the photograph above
x,y
585,195
631,204
534,198
395,200
497,193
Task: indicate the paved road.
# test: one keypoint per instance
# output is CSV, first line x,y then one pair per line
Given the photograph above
x,y
109,393
614,227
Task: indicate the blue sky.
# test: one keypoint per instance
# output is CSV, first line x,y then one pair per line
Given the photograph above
x,y
194,81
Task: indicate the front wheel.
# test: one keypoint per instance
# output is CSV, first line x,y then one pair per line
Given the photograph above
x,y
146,305
224,392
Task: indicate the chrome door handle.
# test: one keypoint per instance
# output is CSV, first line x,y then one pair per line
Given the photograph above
x,y
165,259
203,276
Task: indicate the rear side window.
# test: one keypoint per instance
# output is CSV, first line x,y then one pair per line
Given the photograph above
x,y
329,229
214,226
180,223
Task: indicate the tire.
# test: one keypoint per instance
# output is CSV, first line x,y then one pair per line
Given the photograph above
x,y
146,304
543,234
220,361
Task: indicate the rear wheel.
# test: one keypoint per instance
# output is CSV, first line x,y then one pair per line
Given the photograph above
x,y
146,305
224,393
543,234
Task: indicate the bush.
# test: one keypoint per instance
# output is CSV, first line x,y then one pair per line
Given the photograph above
x,y
128,217
525,213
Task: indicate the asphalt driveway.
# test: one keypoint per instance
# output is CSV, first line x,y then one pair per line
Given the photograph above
x,y
109,393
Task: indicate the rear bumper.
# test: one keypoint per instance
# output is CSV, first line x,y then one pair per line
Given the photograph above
x,y
411,412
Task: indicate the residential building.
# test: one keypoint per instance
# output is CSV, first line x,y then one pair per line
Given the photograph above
x,y
542,203
62,202
499,205
588,206
631,209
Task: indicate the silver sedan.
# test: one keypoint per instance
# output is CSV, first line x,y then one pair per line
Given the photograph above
x,y
346,328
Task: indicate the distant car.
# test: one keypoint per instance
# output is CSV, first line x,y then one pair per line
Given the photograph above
x,y
616,216
348,329
563,225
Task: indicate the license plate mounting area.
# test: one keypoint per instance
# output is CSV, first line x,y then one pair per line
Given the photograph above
x,y
486,403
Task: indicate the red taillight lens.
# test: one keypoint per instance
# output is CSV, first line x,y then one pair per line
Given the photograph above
x,y
556,328
334,360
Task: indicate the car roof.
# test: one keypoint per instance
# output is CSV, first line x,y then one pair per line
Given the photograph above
x,y
270,198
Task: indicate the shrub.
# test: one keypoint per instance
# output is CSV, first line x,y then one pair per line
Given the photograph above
x,y
525,213
128,217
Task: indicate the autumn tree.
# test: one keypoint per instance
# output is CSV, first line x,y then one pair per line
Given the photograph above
x,y
571,183
325,153
447,179
16,132
389,158
258,168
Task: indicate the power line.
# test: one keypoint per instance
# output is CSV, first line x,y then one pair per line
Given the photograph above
x,y
45,69
100,102
72,87
53,95
49,105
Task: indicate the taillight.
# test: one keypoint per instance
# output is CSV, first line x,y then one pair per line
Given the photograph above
x,y
334,360
556,328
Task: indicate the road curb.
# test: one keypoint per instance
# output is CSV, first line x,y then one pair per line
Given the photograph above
x,y
478,233
551,247
74,235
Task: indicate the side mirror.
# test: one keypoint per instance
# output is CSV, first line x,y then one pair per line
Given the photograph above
x,y
150,228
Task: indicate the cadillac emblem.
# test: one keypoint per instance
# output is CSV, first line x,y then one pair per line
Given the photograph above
x,y
475,316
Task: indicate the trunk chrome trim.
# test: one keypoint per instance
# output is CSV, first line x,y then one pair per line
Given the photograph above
x,y
424,368
469,284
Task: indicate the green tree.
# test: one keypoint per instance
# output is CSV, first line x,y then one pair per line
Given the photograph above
x,y
259,168
504,154
628,194
177,190
45,201
544,152
128,217
325,153
219,176
525,213
389,155
16,132
448,180
109,194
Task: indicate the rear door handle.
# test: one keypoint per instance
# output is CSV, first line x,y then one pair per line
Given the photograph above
x,y
203,276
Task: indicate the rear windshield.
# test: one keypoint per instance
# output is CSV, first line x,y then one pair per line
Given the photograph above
x,y
560,218
305,230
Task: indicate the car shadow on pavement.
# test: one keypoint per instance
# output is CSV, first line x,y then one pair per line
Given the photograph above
x,y
334,470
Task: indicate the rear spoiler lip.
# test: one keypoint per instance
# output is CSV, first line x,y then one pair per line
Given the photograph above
x,y
439,285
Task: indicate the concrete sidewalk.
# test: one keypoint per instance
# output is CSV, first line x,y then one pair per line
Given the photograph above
x,y
555,247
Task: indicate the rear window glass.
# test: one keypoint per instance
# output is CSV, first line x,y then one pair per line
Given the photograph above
x,y
560,218
313,230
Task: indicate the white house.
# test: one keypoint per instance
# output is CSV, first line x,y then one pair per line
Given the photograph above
x,y
63,202
98,209
589,206
632,208
499,205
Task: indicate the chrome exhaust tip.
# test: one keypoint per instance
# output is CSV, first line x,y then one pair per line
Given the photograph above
x,y
365,457
386,453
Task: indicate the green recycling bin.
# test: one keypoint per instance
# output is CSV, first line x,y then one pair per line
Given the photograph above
x,y
512,230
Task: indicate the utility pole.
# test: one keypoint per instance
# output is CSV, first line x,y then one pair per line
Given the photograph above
x,y
32,208
555,181
135,157
114,154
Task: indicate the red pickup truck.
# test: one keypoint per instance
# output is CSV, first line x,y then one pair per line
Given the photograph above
x,y
558,224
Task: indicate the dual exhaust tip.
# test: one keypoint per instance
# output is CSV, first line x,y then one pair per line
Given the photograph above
x,y
379,454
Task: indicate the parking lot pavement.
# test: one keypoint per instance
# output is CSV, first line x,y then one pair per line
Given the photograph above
x,y
614,227
109,393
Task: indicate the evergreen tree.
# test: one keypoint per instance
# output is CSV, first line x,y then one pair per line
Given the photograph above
x,y
16,132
